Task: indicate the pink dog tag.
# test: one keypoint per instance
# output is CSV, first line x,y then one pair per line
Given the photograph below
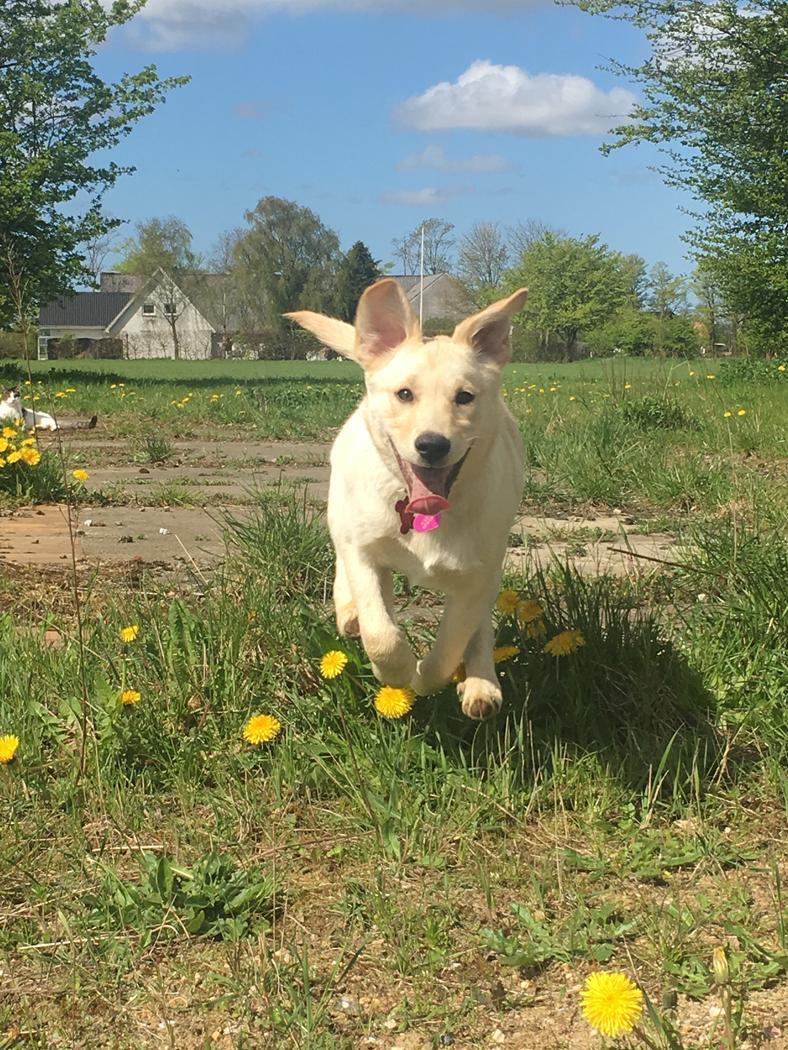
x,y
426,522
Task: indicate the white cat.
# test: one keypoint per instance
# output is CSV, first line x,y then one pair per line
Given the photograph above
x,y
12,409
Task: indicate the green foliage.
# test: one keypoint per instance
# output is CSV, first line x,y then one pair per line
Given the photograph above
x,y
50,191
160,243
357,271
639,334
664,413
574,285
214,898
753,370
712,66
592,933
285,260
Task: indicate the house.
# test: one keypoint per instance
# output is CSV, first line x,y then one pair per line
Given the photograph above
x,y
444,298
130,317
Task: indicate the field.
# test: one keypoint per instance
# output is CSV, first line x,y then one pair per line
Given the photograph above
x,y
359,881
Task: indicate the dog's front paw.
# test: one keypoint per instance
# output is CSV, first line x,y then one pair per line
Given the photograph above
x,y
425,680
347,620
480,699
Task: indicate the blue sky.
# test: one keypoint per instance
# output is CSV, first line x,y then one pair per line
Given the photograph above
x,y
385,114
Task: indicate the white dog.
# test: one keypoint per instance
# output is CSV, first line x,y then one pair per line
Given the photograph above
x,y
426,478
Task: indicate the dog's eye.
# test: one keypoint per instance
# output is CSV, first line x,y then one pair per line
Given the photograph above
x,y
464,397
406,394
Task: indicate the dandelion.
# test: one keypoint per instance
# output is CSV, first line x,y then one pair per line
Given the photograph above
x,y
742,412
9,432
261,728
781,368
502,653
8,748
711,375
333,664
572,397
80,474
719,966
13,457
113,386
394,703
627,386
31,456
692,373
60,393
128,634
612,1003
727,414
506,602
71,390
528,610
564,643
130,696
536,630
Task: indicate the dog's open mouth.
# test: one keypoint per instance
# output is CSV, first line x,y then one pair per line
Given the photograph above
x,y
428,487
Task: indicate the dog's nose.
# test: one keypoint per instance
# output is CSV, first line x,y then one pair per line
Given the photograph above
x,y
432,447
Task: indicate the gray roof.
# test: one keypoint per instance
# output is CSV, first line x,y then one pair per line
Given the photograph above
x,y
84,310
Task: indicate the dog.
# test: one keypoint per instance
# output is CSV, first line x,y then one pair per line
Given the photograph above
x,y
12,409
426,479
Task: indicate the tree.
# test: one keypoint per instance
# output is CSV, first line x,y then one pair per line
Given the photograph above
x,y
482,259
96,250
357,271
574,285
715,93
526,233
438,244
666,295
160,243
286,260
634,268
163,247
56,112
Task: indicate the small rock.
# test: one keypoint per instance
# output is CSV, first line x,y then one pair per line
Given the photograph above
x,y
350,1006
144,470
34,542
126,539
498,1036
164,532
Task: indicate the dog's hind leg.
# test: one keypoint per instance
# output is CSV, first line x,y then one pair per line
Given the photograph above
x,y
344,606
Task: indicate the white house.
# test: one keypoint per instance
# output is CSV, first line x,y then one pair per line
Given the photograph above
x,y
148,318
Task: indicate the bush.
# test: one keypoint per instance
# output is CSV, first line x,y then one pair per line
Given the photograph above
x,y
640,334
11,345
25,473
753,370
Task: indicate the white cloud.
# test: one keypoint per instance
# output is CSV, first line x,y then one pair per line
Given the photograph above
x,y
488,97
435,157
425,197
171,24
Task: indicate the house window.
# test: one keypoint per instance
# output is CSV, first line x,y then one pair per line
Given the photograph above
x,y
169,309
148,309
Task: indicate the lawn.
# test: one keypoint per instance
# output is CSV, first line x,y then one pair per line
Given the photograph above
x,y
425,881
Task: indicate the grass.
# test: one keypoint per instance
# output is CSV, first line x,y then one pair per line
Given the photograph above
x,y
424,882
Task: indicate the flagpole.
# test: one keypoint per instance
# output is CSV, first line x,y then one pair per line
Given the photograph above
x,y
421,281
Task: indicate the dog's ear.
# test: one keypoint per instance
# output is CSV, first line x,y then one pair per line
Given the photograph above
x,y
384,319
489,331
336,334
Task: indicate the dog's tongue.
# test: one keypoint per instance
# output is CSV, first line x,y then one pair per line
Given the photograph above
x,y
426,489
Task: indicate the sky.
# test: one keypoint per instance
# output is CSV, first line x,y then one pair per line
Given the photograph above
x,y
377,114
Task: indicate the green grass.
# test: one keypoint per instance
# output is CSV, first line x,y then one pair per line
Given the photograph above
x,y
429,879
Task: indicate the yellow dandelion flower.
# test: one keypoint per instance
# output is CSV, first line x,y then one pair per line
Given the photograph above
x,y
130,696
536,630
612,1003
692,373
781,368
711,375
9,432
113,386
742,412
60,393
2,462
332,664
31,456
502,653
506,602
261,728
8,748
128,634
719,966
572,397
727,414
3,444
80,474
71,390
29,441
14,457
394,703
627,386
528,610
564,643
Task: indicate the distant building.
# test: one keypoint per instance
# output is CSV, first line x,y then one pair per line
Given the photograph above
x,y
133,317
444,297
